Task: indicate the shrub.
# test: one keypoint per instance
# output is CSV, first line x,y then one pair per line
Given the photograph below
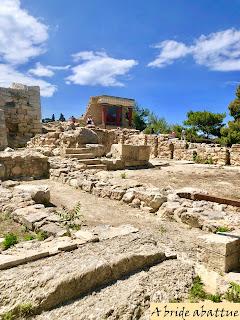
x,y
10,240
72,218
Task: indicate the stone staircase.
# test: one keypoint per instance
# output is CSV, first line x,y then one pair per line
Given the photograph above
x,y
85,156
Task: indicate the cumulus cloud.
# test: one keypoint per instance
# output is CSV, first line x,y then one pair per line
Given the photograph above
x,y
170,51
41,71
97,68
22,36
8,75
46,71
219,51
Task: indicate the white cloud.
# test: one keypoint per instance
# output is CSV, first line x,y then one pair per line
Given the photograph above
x,y
22,36
41,71
8,75
97,68
219,51
59,67
170,51
46,71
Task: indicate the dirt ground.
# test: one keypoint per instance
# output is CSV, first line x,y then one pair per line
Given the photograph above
x,y
217,180
176,236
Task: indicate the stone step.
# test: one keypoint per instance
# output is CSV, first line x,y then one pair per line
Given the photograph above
x,y
97,166
90,161
76,150
80,156
89,269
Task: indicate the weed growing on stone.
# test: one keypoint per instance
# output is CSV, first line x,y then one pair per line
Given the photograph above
x,y
162,229
5,216
222,229
214,297
197,292
123,175
41,235
72,218
29,237
10,240
23,311
233,293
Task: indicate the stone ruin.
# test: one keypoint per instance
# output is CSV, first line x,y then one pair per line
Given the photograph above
x,y
80,261
20,115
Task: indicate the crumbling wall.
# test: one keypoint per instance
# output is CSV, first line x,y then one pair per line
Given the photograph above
x,y
3,131
235,155
94,111
22,112
20,164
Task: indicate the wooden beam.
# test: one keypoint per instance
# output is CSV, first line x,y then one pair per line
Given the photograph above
x,y
206,197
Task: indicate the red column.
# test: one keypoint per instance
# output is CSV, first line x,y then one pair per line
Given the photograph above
x,y
130,117
118,120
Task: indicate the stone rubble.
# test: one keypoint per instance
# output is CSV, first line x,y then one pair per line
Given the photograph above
x,y
166,203
53,280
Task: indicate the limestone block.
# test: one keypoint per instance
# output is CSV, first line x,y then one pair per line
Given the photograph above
x,y
52,229
30,215
117,194
86,235
87,185
39,193
128,197
219,252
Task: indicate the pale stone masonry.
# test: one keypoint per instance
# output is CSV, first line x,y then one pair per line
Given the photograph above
x,y
20,115
3,131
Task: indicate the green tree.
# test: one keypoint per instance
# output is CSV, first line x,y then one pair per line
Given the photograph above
x,y
231,133
140,116
234,106
157,125
205,122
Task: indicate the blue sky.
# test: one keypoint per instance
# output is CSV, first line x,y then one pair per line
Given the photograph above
x,y
171,56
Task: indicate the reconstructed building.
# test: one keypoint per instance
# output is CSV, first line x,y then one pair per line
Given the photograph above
x,y
20,115
110,111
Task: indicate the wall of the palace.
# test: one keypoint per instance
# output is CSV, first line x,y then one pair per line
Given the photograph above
x,y
22,114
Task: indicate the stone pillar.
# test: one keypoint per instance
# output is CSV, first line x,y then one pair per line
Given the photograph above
x,y
3,131
145,140
104,116
130,117
155,150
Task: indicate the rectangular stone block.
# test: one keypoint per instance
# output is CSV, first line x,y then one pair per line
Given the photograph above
x,y
219,252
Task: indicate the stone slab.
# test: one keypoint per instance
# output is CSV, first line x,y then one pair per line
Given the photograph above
x,y
219,243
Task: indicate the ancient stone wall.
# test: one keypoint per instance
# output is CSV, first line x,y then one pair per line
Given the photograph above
x,y
22,112
160,145
3,131
20,164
